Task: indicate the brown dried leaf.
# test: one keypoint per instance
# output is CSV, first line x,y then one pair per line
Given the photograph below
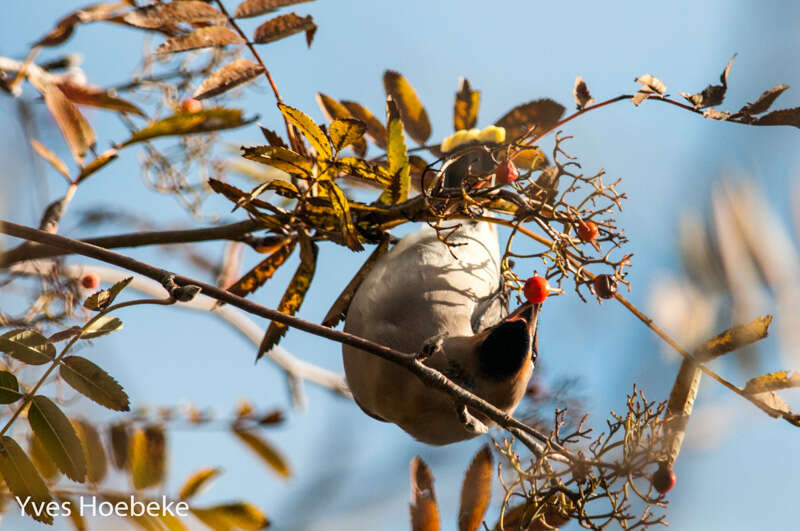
x,y
581,94
187,123
781,117
465,109
159,15
261,273
235,194
254,8
66,26
375,129
346,131
734,338
293,296
539,114
201,38
412,112
50,157
339,308
22,479
772,382
272,137
772,403
94,383
476,491
197,482
58,437
284,26
119,439
265,450
97,97
652,83
228,77
764,102
424,511
96,464
713,94
76,130
714,114
640,96
148,456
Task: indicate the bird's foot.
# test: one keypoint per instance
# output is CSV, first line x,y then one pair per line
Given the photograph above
x,y
472,424
431,346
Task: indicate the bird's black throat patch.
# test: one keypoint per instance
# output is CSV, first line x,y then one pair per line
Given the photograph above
x,y
504,350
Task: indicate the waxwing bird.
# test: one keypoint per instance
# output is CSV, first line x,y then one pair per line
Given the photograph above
x,y
422,293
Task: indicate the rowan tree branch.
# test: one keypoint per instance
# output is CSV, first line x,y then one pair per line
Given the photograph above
x,y
526,434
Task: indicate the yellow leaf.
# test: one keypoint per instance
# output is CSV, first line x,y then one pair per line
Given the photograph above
x,y
148,456
50,157
424,511
465,110
281,158
228,77
316,137
341,207
375,129
41,459
476,491
261,273
76,130
271,456
293,296
345,132
187,123
96,464
197,482
413,114
397,190
103,159
734,338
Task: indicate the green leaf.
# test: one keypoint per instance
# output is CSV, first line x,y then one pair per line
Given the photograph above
x,y
105,297
9,388
23,480
316,137
94,383
280,158
397,190
293,296
57,435
271,456
188,123
41,459
101,327
148,456
27,345
96,463
414,115
198,482
346,131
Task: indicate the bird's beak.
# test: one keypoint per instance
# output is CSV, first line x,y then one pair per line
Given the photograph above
x,y
529,313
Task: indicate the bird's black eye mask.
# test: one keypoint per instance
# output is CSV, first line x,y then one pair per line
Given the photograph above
x,y
505,349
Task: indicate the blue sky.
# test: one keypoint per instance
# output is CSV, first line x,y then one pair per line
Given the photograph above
x,y
351,472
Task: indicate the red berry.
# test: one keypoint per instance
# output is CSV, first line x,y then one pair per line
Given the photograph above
x,y
664,479
506,172
191,105
536,289
587,230
605,286
90,281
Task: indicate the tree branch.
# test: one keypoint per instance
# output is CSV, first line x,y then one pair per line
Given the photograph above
x,y
526,434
